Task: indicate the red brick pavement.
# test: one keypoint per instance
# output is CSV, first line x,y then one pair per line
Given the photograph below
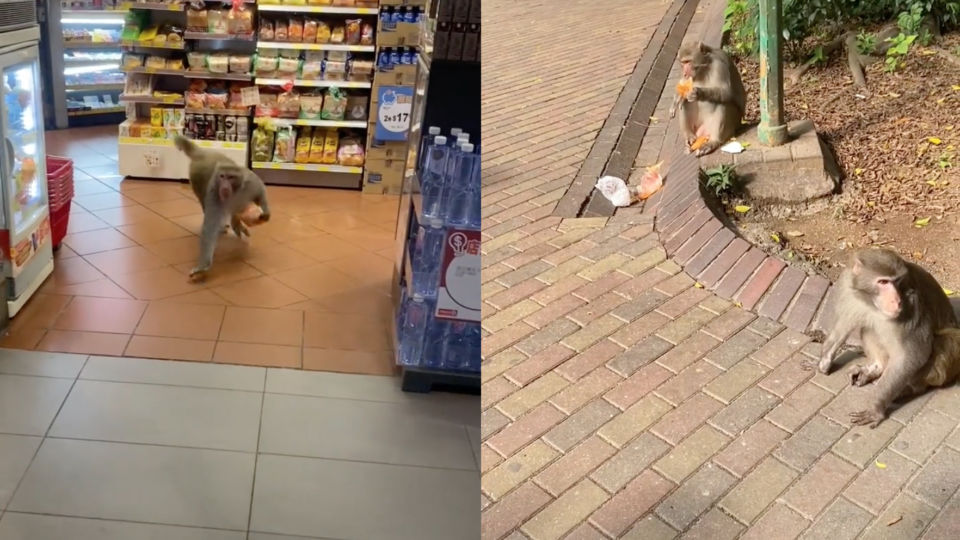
x,y
620,397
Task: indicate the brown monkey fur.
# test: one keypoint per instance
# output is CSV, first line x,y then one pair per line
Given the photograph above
x,y
905,322
225,191
715,106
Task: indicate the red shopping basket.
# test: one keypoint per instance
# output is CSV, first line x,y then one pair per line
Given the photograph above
x,y
60,193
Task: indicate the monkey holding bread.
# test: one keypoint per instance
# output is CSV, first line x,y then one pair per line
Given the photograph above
x,y
906,325
710,96
226,192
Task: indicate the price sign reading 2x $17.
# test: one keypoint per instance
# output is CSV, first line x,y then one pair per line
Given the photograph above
x,y
394,105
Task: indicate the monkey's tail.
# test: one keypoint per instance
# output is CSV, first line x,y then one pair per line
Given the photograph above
x,y
185,145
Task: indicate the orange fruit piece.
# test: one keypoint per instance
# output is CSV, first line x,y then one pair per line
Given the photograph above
x,y
699,142
650,182
684,87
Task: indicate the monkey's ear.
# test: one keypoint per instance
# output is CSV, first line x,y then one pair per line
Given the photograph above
x,y
857,266
703,46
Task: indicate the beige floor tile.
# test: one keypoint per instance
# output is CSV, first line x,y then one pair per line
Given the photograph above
x,y
174,320
264,326
252,354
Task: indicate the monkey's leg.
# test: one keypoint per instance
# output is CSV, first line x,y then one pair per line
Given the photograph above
x,y
674,105
238,227
831,347
212,221
867,373
901,369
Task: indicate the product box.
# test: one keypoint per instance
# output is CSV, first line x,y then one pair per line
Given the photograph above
x,y
403,34
471,44
383,176
402,75
385,150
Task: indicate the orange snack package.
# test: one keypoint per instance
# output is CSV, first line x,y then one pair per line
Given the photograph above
x,y
700,141
684,87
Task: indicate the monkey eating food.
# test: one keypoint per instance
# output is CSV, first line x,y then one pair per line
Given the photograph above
x,y
712,104
226,191
906,325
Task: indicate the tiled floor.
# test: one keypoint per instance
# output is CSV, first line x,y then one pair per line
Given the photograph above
x,y
102,448
310,289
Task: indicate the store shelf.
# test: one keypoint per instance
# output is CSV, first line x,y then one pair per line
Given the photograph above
x,y
98,14
423,380
101,110
150,45
155,71
218,37
152,99
319,83
148,141
218,112
91,45
78,62
315,46
306,167
220,76
153,6
94,87
354,124
287,8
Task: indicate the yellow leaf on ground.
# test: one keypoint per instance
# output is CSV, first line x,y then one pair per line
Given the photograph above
x,y
934,140
932,183
858,171
922,222
956,87
880,465
698,285
776,237
742,208
948,292
738,304
894,94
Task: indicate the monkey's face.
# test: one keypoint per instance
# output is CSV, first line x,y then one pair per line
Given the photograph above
x,y
227,183
882,276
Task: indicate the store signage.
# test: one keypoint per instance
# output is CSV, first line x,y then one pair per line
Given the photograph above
x,y
458,296
22,253
395,104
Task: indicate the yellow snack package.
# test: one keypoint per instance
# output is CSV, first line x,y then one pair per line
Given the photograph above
x,y
303,146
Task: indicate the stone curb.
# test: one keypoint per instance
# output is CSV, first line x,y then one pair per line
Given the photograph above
x,y
719,259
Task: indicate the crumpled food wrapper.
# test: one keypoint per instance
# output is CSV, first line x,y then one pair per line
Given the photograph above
x,y
650,182
620,194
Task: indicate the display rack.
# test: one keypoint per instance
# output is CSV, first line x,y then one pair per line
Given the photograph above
x,y
347,66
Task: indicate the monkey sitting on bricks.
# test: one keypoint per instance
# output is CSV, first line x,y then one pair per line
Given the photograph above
x,y
713,108
225,191
905,322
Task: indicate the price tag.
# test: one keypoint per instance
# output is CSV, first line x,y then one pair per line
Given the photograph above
x,y
458,294
393,112
250,96
300,167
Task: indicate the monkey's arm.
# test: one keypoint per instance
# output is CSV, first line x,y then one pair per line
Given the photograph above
x,y
676,103
713,94
835,340
904,365
212,222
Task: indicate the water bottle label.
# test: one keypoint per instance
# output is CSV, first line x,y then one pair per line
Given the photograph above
x,y
458,293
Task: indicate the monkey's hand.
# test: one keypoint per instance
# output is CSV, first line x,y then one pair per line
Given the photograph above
x,y
692,95
870,418
673,110
198,274
863,375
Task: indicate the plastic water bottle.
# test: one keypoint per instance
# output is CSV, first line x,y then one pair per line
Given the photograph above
x,y
461,188
415,317
434,176
454,132
471,361
434,341
426,271
449,178
425,142
454,346
463,136
473,208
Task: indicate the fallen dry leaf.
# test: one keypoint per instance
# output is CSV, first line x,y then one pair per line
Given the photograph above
x,y
934,140
920,223
894,522
741,208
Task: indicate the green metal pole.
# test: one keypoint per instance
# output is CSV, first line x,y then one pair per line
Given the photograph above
x,y
772,130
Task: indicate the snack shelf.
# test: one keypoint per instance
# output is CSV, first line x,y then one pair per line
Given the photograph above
x,y
153,6
218,37
101,110
144,45
306,167
77,62
151,99
149,141
92,45
219,112
92,13
317,9
219,76
354,124
315,46
155,71
93,87
316,83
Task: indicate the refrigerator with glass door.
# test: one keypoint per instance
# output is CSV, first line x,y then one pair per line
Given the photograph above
x,y
25,219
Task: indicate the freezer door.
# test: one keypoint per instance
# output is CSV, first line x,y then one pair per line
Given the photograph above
x,y
22,156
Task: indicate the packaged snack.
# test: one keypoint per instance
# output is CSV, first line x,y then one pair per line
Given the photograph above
x,y
197,20
268,104
334,70
197,60
357,107
174,35
158,132
337,34
361,70
288,104
320,2
218,63
239,20
197,85
331,141
217,100
266,29
312,65
132,61
168,120
285,145
287,53
323,32
178,117
280,30
334,104
295,30
316,146
266,65
347,3
288,66
303,146
366,34
155,62
340,56
175,63
235,101
350,152
352,31
138,84
262,142
310,106
195,100
217,21
240,63
156,116
296,2
310,30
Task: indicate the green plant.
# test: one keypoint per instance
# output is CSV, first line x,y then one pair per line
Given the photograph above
x,y
740,25
910,20
899,47
721,179
866,42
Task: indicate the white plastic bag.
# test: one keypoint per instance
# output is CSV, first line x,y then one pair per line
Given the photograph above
x,y
615,190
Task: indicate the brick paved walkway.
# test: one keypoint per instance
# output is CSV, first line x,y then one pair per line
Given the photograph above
x,y
621,399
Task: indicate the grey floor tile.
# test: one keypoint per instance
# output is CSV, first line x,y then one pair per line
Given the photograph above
x,y
140,370
339,499
267,536
474,434
16,451
131,482
28,404
16,526
334,385
159,414
361,430
45,364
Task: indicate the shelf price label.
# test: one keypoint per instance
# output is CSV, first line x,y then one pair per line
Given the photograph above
x,y
395,104
458,296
